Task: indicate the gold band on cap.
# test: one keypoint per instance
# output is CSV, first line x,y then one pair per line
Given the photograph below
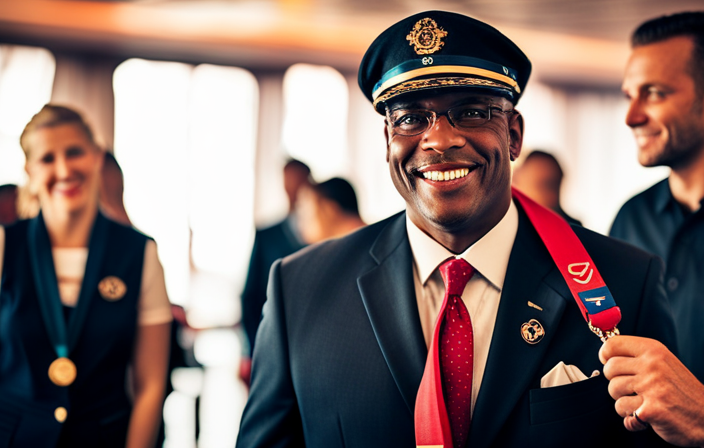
x,y
430,83
446,70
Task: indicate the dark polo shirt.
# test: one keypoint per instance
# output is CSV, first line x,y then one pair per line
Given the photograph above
x,y
654,221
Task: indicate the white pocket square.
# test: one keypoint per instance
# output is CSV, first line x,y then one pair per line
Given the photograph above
x,y
563,374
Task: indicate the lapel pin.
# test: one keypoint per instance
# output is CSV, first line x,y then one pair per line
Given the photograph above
x,y
533,305
532,331
112,288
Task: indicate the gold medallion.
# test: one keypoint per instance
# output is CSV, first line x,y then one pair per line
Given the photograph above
x,y
62,372
532,331
426,36
112,288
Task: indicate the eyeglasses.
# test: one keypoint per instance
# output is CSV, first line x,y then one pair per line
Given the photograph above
x,y
410,122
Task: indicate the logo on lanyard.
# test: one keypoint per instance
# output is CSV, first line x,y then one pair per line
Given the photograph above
x,y
596,300
574,270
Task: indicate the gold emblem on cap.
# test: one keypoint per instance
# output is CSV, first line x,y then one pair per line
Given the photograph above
x,y
112,288
426,36
532,331
60,414
62,372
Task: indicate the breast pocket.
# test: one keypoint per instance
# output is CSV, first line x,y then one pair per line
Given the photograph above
x,y
575,415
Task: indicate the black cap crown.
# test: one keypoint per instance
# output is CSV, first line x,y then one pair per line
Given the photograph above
x,y
438,49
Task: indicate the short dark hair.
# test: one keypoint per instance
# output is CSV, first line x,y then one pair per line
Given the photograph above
x,y
684,24
111,160
296,165
539,154
341,192
10,188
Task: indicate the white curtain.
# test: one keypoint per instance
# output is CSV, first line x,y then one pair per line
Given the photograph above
x,y
85,84
26,77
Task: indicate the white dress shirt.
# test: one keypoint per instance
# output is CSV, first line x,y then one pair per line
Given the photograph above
x,y
489,257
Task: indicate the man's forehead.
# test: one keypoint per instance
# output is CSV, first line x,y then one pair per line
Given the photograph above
x,y
663,62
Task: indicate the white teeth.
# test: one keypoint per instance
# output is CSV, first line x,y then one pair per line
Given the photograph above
x,y
446,175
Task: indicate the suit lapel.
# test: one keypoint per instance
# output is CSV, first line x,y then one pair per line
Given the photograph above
x,y
388,294
512,362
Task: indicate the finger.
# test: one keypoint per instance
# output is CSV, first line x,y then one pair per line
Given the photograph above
x,y
619,366
626,405
633,424
628,346
622,386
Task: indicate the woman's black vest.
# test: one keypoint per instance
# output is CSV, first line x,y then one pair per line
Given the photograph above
x,y
103,333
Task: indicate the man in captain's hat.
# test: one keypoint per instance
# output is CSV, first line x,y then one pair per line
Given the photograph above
x,y
360,346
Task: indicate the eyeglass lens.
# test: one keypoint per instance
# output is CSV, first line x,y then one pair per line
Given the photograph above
x,y
416,121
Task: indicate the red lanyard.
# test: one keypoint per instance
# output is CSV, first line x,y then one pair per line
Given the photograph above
x,y
598,308
576,266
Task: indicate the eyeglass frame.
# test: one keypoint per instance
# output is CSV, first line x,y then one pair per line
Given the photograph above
x,y
431,116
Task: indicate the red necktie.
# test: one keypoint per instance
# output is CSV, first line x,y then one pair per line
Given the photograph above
x,y
457,350
443,403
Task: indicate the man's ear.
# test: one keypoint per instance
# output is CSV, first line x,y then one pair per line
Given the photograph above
x,y
386,136
515,134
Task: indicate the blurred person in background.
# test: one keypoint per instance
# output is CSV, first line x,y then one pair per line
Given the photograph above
x,y
540,178
328,210
270,244
8,204
112,205
85,334
112,188
664,85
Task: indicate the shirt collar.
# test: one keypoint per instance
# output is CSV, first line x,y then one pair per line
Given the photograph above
x,y
489,255
663,196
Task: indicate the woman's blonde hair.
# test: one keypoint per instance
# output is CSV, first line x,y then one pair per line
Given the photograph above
x,y
50,116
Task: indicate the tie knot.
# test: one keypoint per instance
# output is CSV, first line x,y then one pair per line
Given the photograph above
x,y
456,272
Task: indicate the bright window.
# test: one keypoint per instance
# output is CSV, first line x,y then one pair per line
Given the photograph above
x,y
26,81
185,137
315,122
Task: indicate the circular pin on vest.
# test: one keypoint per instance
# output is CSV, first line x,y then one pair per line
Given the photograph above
x,y
62,372
112,288
532,331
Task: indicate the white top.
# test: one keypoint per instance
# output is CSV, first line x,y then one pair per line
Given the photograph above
x,y
70,265
489,257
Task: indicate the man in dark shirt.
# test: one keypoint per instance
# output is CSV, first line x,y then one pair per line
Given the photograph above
x,y
664,83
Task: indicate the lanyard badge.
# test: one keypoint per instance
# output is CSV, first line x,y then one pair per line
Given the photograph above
x,y
576,266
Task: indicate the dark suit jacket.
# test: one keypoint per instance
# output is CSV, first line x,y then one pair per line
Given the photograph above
x,y
340,351
270,244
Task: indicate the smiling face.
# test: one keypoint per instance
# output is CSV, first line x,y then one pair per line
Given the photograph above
x,y
64,166
665,112
456,182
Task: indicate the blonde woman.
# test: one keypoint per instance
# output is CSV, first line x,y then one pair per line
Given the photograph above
x,y
84,316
